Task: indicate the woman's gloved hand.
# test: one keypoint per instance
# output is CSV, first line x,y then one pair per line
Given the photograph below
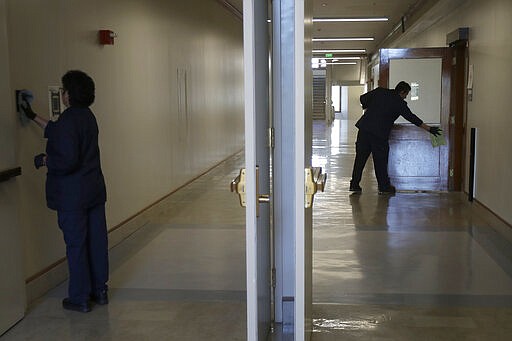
x,y
27,109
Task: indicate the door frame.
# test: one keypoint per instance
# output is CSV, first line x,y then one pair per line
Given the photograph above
x,y
445,53
458,120
257,156
292,119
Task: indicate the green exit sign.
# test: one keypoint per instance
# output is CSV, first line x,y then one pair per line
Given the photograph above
x,y
328,55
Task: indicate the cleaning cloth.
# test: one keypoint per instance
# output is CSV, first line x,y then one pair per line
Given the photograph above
x,y
438,140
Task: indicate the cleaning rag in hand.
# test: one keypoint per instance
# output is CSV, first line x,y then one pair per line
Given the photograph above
x,y
437,140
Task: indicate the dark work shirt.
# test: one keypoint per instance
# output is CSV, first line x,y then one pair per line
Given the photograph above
x,y
74,180
382,108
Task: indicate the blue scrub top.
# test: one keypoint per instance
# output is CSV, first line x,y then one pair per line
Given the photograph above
x,y
74,180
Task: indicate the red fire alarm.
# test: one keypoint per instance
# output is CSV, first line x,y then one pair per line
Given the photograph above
x,y
107,37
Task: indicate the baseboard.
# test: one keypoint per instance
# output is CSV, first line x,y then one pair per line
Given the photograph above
x,y
491,218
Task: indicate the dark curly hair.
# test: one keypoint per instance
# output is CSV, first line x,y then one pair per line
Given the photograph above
x,y
80,88
403,87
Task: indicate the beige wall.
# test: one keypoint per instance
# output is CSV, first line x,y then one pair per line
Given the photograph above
x,y
490,51
12,288
354,105
169,98
348,75
345,74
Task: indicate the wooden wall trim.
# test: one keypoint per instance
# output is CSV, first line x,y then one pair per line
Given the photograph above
x,y
239,15
503,227
7,174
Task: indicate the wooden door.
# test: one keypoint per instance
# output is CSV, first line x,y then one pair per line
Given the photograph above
x,y
413,163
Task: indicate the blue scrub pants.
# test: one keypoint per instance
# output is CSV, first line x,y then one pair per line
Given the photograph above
x,y
85,234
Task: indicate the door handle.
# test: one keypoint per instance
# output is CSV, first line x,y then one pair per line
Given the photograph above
x,y
238,186
314,181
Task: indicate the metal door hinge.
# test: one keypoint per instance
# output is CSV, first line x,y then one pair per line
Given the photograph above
x,y
271,138
451,171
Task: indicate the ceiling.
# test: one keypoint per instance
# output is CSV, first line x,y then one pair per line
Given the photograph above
x,y
395,10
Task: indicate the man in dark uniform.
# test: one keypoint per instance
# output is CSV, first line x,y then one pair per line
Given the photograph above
x,y
75,188
382,108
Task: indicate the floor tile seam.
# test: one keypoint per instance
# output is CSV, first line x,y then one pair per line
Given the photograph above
x,y
227,227
354,229
422,300
178,295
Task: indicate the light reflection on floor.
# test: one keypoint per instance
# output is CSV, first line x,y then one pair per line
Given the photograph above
x,y
402,267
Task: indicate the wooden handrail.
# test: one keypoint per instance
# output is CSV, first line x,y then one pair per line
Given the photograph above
x,y
9,173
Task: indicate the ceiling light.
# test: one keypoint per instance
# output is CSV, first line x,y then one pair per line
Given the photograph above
x,y
342,63
340,51
348,19
341,58
344,39
333,59
347,58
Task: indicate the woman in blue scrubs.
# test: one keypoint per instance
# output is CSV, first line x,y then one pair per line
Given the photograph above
x,y
75,188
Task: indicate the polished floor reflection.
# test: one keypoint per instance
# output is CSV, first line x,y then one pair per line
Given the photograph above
x,y
413,266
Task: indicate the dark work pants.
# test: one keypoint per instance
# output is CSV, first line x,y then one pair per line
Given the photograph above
x,y
85,234
367,144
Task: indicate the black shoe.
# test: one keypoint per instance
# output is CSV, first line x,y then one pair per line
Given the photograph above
x,y
80,307
101,297
355,188
388,190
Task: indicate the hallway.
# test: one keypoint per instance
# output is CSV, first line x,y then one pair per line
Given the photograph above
x,y
413,266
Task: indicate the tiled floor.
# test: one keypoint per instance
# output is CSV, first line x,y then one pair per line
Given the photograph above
x,y
414,266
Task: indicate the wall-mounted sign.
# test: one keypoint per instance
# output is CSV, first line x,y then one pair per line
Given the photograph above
x,y
415,91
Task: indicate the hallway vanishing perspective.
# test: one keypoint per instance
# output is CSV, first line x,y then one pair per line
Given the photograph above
x,y
413,266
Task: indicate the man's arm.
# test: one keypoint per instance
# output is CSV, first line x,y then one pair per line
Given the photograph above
x,y
409,116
